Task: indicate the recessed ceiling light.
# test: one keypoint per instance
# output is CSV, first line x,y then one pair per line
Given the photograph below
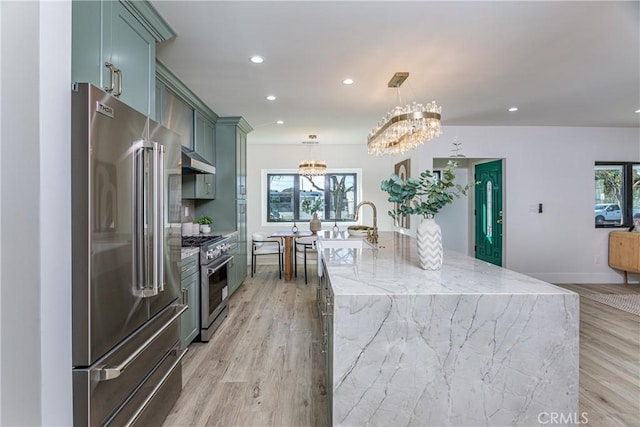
x,y
637,111
257,59
271,97
279,122
347,82
513,109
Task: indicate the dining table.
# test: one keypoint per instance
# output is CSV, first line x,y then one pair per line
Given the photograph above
x,y
289,236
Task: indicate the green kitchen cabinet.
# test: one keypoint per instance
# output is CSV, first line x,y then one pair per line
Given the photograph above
x,y
114,47
325,301
190,285
198,186
235,279
201,186
183,111
230,206
204,138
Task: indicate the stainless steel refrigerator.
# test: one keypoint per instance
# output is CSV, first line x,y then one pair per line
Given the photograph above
x,y
126,242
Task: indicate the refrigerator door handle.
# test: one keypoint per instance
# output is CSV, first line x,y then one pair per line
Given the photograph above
x,y
158,216
148,251
110,372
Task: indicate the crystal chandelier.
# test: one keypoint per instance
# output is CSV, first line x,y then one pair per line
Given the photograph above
x,y
312,167
404,128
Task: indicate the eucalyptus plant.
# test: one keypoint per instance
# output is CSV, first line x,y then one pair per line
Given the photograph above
x,y
424,195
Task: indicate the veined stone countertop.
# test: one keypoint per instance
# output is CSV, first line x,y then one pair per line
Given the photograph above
x,y
470,344
394,269
187,252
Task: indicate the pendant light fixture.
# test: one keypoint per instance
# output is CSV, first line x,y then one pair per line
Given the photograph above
x,y
404,128
312,167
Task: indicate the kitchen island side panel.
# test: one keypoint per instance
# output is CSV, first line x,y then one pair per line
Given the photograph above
x,y
468,344
454,359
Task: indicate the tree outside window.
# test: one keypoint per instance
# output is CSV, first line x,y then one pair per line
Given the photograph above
x,y
294,197
617,193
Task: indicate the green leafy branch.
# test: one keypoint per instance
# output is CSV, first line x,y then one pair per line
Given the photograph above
x,y
312,206
424,195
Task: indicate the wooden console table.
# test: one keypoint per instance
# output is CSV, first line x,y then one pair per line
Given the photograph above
x,y
624,252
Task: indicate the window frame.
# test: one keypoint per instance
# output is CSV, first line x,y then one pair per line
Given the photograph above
x,y
626,190
265,205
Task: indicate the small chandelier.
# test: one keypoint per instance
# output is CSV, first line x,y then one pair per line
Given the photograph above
x,y
404,128
312,167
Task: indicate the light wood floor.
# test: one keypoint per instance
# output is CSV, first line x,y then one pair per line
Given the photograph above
x,y
609,359
263,367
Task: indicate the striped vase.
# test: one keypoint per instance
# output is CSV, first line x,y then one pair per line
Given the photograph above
x,y
429,238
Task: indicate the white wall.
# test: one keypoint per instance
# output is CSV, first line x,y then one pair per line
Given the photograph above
x,y
55,212
549,165
278,156
553,166
35,366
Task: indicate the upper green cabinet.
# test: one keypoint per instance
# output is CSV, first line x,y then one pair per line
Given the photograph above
x,y
204,137
174,113
114,47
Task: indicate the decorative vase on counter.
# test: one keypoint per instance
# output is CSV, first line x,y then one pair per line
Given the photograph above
x,y
205,228
429,236
315,224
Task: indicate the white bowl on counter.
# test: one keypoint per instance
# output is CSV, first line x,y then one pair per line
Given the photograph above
x,y
357,232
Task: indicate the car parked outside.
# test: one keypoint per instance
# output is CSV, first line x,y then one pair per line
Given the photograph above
x,y
610,213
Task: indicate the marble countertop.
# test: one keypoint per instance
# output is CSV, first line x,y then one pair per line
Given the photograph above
x,y
187,252
393,269
469,344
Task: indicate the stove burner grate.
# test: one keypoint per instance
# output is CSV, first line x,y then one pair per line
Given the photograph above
x,y
198,241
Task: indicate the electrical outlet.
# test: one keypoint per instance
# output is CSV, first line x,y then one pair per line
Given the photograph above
x,y
596,259
186,211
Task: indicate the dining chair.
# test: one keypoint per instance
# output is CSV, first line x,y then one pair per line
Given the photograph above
x,y
262,244
305,251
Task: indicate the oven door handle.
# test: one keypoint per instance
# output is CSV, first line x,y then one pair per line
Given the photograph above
x,y
217,267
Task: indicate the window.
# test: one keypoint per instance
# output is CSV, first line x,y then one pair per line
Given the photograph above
x,y
292,197
617,194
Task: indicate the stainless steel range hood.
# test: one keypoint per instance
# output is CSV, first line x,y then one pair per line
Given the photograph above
x,y
192,162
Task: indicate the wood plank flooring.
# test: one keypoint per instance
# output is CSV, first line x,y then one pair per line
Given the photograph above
x,y
263,367
609,359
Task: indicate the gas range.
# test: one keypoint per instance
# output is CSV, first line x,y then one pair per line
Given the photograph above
x,y
211,247
215,261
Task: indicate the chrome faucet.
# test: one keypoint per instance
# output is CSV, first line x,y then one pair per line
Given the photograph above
x,y
372,235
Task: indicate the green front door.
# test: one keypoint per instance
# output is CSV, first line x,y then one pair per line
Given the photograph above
x,y
488,212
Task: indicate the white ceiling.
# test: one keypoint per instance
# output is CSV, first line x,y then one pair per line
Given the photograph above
x,y
560,63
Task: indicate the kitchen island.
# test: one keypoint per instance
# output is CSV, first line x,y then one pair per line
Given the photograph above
x,y
470,344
